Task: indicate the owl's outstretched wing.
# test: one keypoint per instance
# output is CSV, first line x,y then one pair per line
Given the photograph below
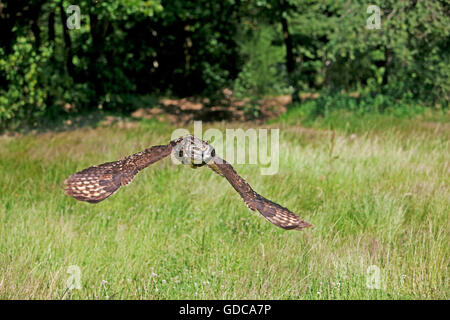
x,y
278,215
97,183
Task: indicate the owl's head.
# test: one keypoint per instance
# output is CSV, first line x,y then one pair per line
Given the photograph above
x,y
191,150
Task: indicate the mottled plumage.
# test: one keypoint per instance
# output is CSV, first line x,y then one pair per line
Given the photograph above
x,y
278,215
97,183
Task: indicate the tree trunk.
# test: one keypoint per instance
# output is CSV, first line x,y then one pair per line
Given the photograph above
x,y
67,42
387,65
49,100
35,27
99,31
290,59
51,27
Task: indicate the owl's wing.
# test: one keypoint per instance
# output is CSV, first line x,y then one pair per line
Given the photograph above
x,y
97,183
278,215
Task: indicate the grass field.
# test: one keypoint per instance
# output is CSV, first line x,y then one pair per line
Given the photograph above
x,y
378,195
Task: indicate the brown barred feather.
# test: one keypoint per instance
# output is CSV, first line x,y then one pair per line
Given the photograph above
x,y
278,215
97,183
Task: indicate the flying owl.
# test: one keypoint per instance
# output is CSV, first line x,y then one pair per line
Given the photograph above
x,y
97,183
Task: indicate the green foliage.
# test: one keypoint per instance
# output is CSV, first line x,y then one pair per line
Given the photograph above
x,y
26,95
407,56
334,50
128,48
263,73
123,9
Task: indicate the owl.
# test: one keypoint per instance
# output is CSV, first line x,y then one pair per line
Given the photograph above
x,y
97,183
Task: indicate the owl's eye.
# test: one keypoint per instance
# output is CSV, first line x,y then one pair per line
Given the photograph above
x,y
180,153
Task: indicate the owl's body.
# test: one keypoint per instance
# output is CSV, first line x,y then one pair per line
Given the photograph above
x,y
97,183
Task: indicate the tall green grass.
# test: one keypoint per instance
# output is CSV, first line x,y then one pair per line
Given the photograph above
x,y
378,196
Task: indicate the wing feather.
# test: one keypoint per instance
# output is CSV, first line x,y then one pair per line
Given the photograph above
x,y
276,214
97,183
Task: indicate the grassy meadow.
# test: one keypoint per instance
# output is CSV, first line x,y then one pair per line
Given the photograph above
x,y
377,194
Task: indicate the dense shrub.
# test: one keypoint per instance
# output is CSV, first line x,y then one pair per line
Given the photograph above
x,y
25,95
263,72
